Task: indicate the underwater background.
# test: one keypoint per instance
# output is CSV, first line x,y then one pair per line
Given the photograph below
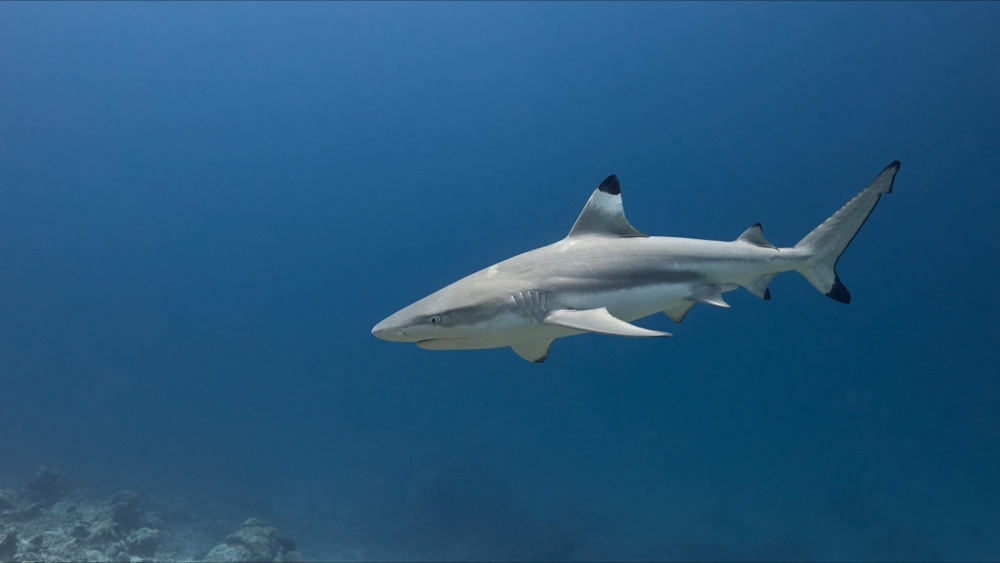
x,y
205,207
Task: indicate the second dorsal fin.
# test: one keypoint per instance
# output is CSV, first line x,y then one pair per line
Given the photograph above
x,y
755,236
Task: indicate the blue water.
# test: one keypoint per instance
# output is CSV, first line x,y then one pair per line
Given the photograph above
x,y
204,208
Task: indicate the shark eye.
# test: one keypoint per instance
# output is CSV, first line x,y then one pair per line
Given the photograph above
x,y
434,319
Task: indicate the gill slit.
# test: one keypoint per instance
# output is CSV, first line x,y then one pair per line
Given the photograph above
x,y
531,303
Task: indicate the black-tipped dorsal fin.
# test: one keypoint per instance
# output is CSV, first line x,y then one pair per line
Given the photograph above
x,y
604,213
755,236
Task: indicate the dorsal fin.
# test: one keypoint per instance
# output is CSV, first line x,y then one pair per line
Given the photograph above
x,y
755,236
604,213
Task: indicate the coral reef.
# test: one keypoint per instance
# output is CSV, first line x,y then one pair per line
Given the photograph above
x,y
254,542
47,486
50,520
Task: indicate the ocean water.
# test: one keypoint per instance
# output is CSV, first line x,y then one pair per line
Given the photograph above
x,y
205,207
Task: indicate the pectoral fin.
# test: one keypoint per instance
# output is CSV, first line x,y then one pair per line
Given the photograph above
x,y
679,311
597,320
532,350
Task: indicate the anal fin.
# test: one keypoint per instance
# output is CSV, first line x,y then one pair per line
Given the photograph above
x,y
759,288
598,320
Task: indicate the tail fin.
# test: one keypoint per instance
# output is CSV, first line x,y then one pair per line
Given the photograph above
x,y
827,242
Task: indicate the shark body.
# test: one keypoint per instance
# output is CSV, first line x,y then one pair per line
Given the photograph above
x,y
605,274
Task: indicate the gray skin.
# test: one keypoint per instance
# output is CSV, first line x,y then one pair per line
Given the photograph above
x,y
605,274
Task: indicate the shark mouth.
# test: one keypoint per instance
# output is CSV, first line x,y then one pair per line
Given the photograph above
x,y
456,344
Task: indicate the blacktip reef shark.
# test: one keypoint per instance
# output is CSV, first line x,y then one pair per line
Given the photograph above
x,y
605,274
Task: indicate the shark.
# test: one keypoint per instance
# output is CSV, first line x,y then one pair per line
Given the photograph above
x,y
605,274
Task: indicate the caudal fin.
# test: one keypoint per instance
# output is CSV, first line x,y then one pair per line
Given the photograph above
x,y
827,242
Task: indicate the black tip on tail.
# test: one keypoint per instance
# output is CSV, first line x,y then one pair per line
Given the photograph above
x,y
610,185
838,292
767,293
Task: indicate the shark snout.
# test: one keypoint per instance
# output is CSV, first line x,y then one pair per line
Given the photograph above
x,y
389,331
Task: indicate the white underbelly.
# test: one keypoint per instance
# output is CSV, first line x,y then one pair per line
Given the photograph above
x,y
632,303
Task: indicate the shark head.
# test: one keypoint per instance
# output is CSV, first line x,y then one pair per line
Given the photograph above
x,y
456,317
424,320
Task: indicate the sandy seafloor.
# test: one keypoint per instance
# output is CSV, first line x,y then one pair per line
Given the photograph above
x,y
52,519
55,518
